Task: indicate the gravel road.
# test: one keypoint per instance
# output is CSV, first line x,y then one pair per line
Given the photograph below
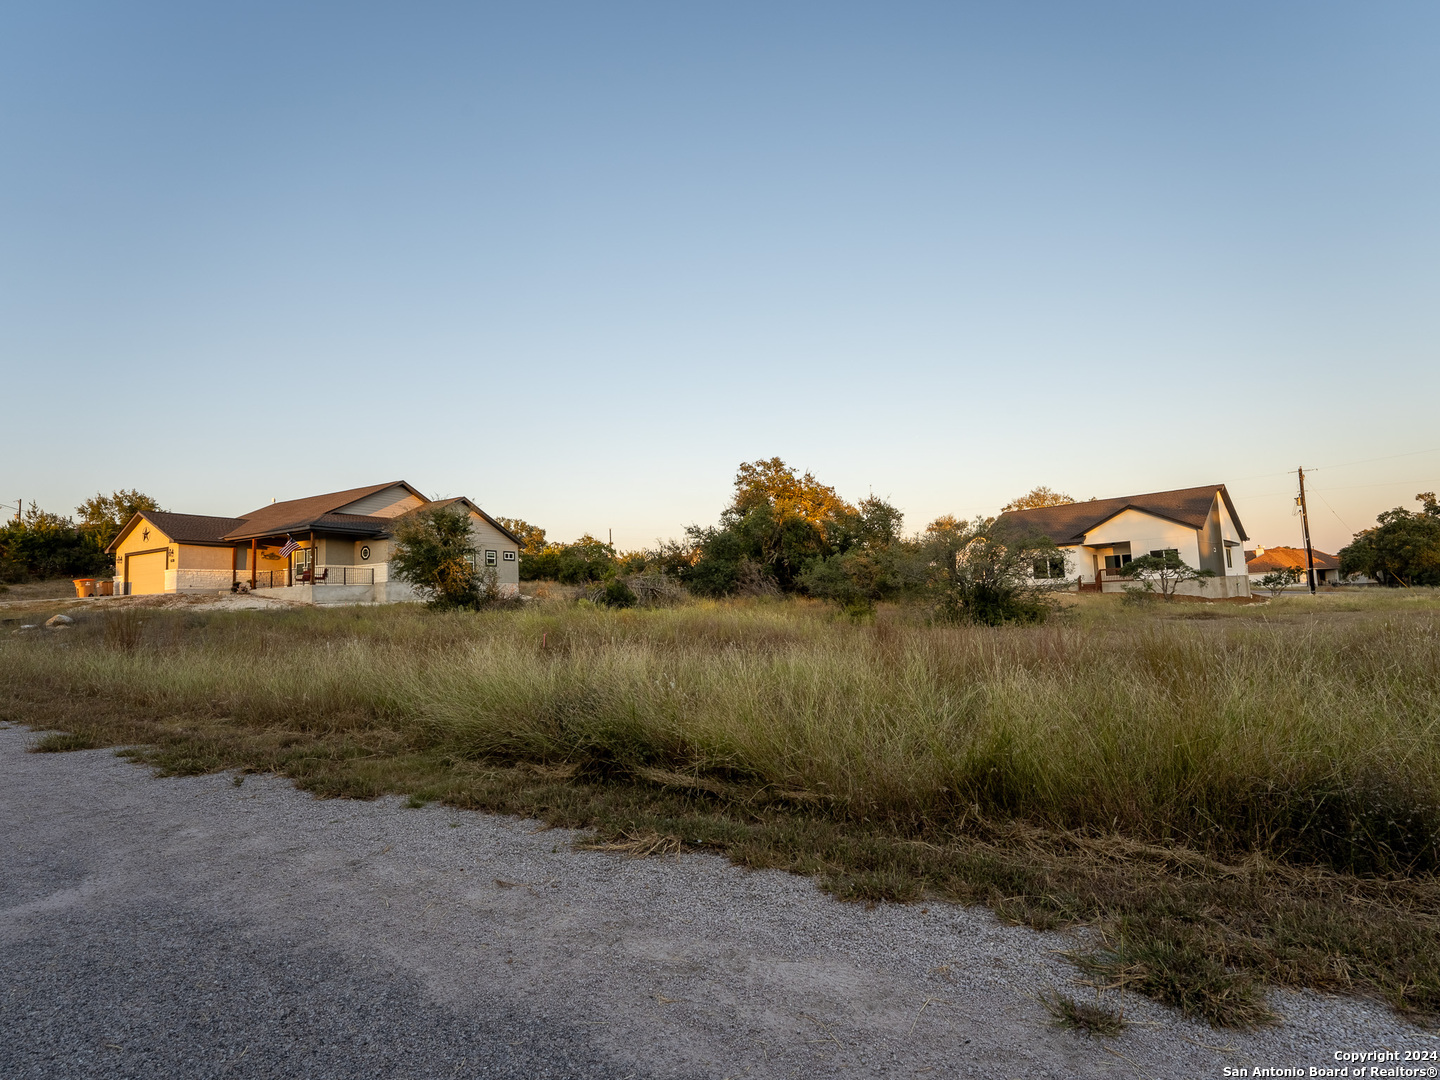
x,y
195,928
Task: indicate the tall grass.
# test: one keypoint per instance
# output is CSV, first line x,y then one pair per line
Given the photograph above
x,y
1309,736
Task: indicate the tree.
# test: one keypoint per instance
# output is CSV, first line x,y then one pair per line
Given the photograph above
x,y
44,545
773,483
776,525
983,572
872,562
1277,581
531,537
587,559
1165,572
103,516
434,552
1036,497
1403,547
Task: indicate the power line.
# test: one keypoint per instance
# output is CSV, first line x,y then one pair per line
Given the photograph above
x,y
1330,508
1337,465
1342,487
1367,461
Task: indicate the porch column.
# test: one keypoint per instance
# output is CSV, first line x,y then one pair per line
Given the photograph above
x,y
253,551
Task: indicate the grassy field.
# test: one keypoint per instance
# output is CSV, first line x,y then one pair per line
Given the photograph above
x,y
1229,795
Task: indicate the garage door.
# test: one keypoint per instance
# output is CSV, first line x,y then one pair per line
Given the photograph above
x,y
146,573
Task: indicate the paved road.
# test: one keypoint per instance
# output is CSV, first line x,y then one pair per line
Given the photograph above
x,y
195,928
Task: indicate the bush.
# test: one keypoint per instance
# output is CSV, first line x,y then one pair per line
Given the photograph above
x,y
1277,581
587,559
618,594
435,554
1403,548
1165,572
44,545
985,575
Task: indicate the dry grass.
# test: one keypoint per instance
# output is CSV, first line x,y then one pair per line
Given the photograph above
x,y
1091,1019
1238,795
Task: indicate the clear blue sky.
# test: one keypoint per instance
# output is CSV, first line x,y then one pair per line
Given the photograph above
x,y
579,261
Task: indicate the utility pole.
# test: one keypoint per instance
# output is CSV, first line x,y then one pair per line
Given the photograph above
x,y
1305,527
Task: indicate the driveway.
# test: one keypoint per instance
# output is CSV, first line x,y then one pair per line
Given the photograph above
x,y
199,928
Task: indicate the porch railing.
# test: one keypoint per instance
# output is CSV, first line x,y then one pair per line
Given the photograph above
x,y
303,575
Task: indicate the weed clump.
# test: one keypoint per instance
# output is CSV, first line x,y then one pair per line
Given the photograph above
x,y
1082,1016
62,742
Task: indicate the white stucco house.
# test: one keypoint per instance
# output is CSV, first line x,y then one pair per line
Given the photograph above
x,y
332,548
1099,537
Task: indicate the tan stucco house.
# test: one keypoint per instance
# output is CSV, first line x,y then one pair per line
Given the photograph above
x,y
1097,538
331,548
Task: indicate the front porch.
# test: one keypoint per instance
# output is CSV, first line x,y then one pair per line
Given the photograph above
x,y
300,581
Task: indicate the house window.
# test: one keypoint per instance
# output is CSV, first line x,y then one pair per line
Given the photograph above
x,y
490,558
509,556
1054,567
470,559
364,552
1229,557
1114,562
1173,553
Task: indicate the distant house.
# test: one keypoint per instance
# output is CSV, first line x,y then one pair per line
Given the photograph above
x,y
1263,560
324,548
1098,538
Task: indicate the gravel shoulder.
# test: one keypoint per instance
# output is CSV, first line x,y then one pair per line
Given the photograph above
x,y
196,928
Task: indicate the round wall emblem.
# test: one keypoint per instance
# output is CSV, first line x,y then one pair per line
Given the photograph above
x,y
364,552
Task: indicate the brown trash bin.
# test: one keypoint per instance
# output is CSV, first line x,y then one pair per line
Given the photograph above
x,y
84,586
105,587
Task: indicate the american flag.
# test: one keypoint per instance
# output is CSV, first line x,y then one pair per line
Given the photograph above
x,y
290,545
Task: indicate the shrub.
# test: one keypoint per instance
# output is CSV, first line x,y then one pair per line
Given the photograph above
x,y
45,545
1165,572
434,553
1277,581
617,594
1404,547
587,559
982,573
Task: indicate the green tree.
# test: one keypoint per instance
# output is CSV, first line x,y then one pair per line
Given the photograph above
x,y
1402,548
982,572
871,561
45,545
777,523
1277,581
587,559
103,516
1165,572
774,484
434,553
531,537
1037,497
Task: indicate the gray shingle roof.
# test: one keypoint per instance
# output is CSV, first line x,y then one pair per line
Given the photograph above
x,y
1068,523
302,515
187,528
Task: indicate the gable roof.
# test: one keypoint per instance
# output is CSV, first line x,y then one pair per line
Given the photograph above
x,y
1281,558
302,515
461,499
1069,522
317,512
180,528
